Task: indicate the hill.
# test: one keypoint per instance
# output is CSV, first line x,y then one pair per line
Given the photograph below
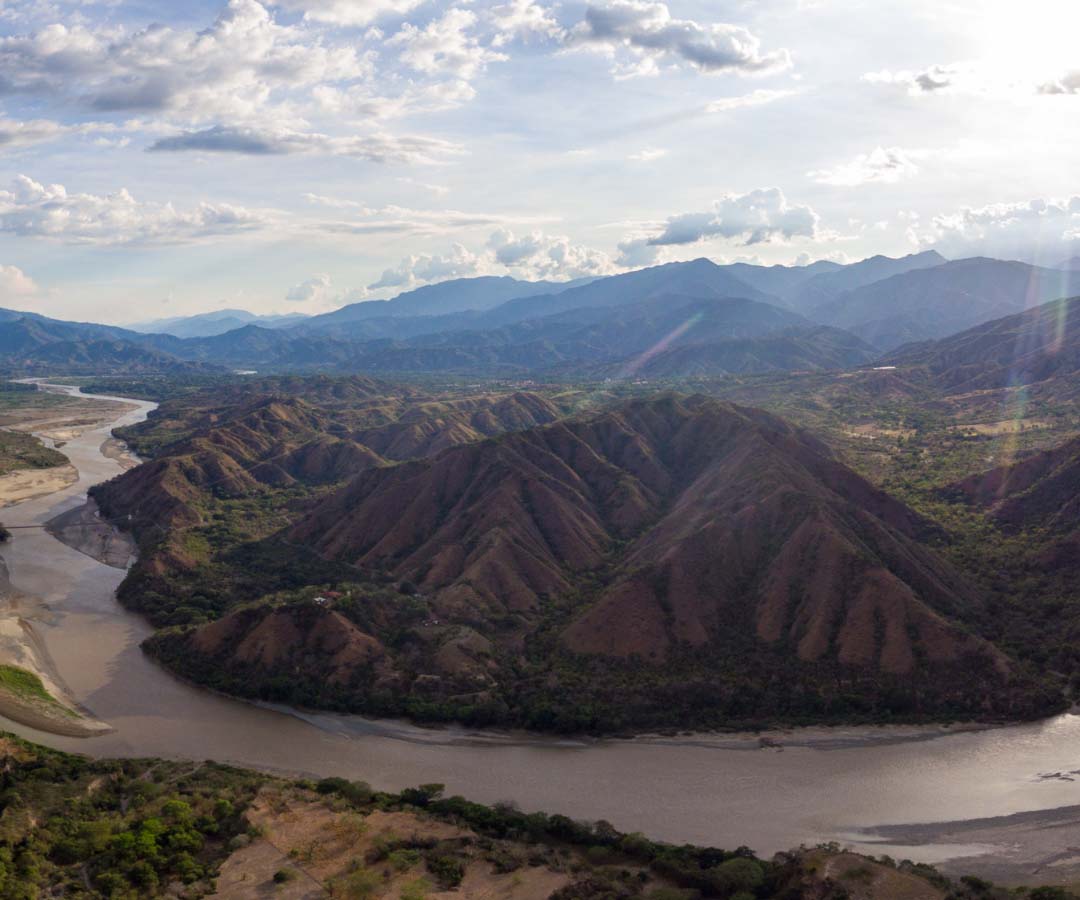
x,y
31,344
1037,345
661,563
794,349
230,467
935,302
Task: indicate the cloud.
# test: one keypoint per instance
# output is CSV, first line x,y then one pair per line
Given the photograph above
x,y
1045,230
315,288
883,165
753,218
541,256
649,154
934,79
1069,83
378,148
15,133
348,12
647,32
30,209
234,69
423,269
524,20
444,47
16,284
532,255
760,97
399,219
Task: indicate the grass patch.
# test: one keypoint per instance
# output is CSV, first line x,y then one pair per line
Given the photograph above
x,y
27,686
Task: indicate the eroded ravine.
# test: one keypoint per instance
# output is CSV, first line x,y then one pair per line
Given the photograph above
x,y
714,790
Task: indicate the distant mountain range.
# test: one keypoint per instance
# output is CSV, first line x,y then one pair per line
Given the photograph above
x,y
214,323
667,321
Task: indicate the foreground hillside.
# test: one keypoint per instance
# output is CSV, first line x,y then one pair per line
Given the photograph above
x,y
672,561
155,828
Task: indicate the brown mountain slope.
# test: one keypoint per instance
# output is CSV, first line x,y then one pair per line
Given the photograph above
x,y
698,519
1031,347
1040,491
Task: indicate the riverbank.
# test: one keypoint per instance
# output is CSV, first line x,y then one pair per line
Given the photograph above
x,y
821,784
28,484
31,692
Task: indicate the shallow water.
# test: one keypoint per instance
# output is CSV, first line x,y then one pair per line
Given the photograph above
x,y
700,789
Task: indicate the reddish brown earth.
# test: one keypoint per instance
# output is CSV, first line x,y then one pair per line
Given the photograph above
x,y
707,518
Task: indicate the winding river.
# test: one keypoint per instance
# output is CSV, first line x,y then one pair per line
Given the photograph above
x,y
723,791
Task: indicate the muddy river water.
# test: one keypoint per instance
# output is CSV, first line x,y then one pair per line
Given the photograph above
x,y
724,791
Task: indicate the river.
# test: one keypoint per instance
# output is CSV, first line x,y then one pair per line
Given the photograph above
x,y
709,790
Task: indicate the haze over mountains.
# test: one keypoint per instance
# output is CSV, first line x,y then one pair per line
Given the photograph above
x,y
668,321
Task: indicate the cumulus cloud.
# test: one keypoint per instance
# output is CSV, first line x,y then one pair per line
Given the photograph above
x,y
757,217
231,69
540,256
15,284
424,268
927,81
883,165
379,148
348,12
1046,230
31,209
1069,83
313,289
646,30
445,45
753,218
525,20
532,255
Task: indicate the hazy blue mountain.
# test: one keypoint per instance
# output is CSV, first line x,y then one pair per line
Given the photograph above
x,y
780,281
818,348
932,303
697,278
454,296
822,288
214,323
34,344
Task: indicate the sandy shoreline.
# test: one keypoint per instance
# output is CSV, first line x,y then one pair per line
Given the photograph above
x,y
29,484
1040,847
22,647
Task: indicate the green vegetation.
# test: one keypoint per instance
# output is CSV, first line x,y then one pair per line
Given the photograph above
x,y
24,685
129,829
114,828
24,451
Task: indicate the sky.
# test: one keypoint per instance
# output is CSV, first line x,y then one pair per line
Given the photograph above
x,y
161,159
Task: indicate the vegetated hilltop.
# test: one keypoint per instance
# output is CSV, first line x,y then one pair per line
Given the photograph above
x,y
1037,498
671,562
229,466
159,828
